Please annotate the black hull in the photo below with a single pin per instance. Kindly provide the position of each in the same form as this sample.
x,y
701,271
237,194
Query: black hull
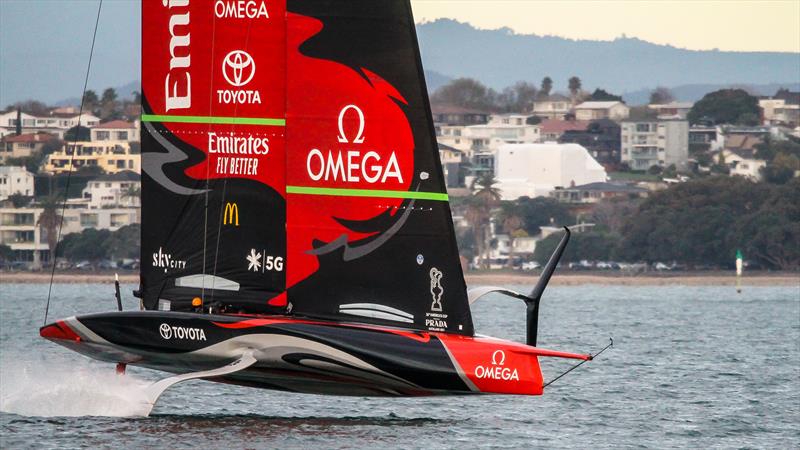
x,y
306,356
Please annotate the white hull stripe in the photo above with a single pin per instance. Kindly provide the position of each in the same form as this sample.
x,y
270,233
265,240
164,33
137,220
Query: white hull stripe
x,y
376,311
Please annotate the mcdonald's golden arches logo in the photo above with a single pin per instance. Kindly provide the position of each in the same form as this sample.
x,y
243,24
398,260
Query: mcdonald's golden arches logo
x,y
231,214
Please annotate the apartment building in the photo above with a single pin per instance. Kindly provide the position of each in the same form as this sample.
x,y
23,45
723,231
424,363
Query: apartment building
x,y
22,146
119,189
15,180
115,130
111,156
655,143
20,228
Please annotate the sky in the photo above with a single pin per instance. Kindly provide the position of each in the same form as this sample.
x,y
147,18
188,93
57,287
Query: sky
x,y
729,25
44,44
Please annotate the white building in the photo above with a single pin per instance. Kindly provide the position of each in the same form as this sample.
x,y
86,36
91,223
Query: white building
x,y
781,110
55,123
20,230
655,143
119,189
742,163
15,180
672,110
115,130
554,106
501,129
614,110
537,169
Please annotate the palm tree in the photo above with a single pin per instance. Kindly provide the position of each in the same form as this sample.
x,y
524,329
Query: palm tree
x,y
133,191
479,208
512,223
49,221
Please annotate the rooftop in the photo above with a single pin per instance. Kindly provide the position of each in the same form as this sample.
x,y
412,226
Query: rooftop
x,y
6,170
598,105
560,126
30,137
606,187
115,124
124,175
554,98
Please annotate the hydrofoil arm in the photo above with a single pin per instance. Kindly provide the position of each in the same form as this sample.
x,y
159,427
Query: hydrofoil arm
x,y
154,391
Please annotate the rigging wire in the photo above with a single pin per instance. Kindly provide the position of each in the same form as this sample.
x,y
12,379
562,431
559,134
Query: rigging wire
x,y
208,181
591,357
53,257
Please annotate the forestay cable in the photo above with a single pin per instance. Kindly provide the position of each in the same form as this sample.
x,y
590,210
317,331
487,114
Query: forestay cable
x,y
54,256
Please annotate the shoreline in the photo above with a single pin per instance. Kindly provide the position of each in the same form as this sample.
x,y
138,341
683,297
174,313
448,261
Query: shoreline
x,y
478,278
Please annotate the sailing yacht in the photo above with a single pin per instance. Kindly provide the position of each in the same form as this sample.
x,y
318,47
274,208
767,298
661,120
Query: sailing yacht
x,y
296,230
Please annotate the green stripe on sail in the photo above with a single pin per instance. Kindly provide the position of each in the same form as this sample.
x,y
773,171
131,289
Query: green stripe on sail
x,y
214,120
344,192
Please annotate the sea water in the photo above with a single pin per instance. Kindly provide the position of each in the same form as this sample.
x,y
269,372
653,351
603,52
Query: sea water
x,y
693,367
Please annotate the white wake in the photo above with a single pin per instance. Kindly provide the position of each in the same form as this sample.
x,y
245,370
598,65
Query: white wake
x,y
70,388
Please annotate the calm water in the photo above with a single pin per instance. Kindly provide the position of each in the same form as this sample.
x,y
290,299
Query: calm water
x,y
691,367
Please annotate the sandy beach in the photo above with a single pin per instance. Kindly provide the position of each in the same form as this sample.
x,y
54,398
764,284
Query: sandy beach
x,y
496,278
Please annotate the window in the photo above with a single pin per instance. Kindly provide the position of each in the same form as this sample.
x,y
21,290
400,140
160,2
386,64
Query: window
x,y
103,135
122,135
88,220
643,127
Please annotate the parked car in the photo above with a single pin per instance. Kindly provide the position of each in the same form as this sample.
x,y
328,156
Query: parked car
x,y
581,265
84,265
662,266
530,265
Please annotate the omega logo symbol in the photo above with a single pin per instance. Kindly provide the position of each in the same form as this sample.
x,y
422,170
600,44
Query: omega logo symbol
x,y
238,68
360,136
165,330
498,358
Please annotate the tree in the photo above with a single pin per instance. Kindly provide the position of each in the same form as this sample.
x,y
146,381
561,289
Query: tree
x,y
33,107
109,96
512,225
781,169
610,215
771,235
547,86
77,133
734,106
465,92
694,222
90,100
6,253
124,243
90,244
540,211
600,95
131,192
18,199
517,98
479,206
592,246
574,86
49,222
660,96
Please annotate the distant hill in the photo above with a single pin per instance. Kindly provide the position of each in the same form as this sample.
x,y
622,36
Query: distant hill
x,y
625,66
434,80
694,92
500,57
